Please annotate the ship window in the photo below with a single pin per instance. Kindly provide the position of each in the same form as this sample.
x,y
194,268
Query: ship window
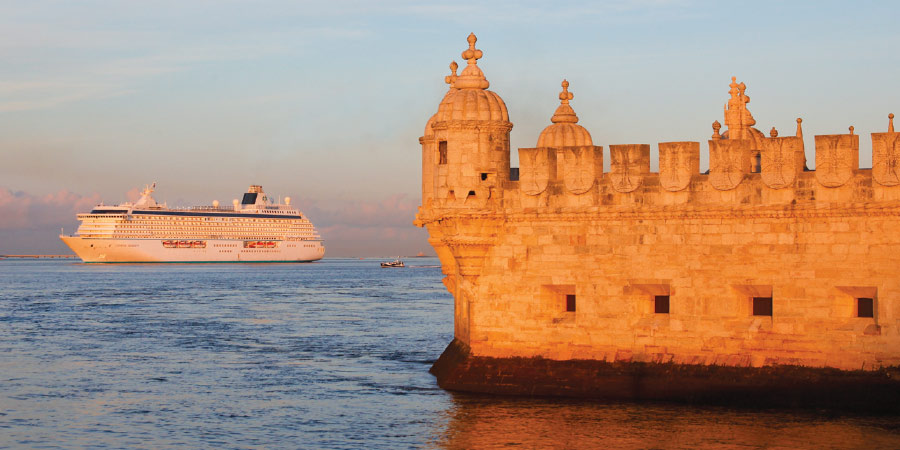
x,y
865,307
570,302
661,304
762,306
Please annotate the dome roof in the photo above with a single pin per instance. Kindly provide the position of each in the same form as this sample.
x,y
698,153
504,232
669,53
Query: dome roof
x,y
565,131
472,104
468,98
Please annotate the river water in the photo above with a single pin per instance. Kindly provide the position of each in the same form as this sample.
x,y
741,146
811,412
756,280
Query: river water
x,y
332,354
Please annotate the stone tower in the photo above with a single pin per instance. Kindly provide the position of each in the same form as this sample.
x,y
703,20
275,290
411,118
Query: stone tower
x,y
465,149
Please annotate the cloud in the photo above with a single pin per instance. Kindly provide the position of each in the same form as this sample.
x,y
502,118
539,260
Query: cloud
x,y
30,223
20,210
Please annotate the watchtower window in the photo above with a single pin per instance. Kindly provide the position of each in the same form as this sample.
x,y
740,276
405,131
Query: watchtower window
x,y
661,304
762,306
865,307
483,176
570,302
757,163
442,152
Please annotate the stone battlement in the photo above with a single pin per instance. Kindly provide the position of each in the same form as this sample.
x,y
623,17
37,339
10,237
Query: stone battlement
x,y
758,263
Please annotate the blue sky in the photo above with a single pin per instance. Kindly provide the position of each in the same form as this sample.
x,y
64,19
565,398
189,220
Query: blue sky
x,y
324,101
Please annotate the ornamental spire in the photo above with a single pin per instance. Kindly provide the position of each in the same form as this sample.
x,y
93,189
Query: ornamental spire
x,y
891,123
564,113
451,79
471,77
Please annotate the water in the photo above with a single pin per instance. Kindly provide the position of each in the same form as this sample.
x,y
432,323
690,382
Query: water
x,y
331,354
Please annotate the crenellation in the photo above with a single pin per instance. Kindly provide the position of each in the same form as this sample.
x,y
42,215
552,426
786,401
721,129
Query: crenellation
x,y
762,261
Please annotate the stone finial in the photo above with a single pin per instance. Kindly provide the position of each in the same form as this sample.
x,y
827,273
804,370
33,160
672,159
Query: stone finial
x,y
471,77
564,113
472,54
799,132
716,127
737,117
565,95
851,130
773,132
891,123
450,79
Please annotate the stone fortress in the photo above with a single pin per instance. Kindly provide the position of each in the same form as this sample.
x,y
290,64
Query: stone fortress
x,y
758,277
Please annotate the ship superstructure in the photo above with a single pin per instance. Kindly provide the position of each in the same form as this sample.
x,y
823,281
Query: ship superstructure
x,y
253,229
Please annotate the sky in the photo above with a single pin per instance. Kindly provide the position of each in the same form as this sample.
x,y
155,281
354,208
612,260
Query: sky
x,y
325,101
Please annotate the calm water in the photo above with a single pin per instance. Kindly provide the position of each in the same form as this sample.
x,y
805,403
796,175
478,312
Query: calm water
x,y
332,354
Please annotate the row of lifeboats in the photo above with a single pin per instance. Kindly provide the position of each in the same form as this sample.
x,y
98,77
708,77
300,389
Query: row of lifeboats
x,y
259,244
184,244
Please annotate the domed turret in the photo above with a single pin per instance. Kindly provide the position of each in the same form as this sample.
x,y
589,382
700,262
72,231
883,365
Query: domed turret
x,y
565,131
468,98
465,147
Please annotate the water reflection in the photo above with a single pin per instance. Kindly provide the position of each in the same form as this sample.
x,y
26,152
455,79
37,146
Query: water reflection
x,y
486,422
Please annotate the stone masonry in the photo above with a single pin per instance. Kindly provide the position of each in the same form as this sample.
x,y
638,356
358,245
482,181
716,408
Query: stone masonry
x,y
758,263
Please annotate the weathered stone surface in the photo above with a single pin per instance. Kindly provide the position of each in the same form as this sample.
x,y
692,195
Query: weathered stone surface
x,y
678,163
767,387
761,271
581,167
779,164
728,161
837,156
629,163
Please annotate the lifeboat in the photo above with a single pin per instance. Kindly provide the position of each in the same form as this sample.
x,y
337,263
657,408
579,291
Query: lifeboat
x,y
270,244
170,244
184,244
198,244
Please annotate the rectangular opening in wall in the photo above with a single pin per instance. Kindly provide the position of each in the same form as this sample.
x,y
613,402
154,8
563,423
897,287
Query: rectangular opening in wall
x,y
762,306
442,152
661,304
865,307
757,163
513,174
483,176
570,302
471,194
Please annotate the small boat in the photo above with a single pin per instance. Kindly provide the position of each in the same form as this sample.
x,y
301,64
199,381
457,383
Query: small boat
x,y
394,263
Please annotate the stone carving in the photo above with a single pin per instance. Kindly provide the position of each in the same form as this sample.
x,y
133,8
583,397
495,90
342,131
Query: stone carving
x,y
678,161
886,155
726,161
580,167
534,172
779,168
886,158
835,160
627,166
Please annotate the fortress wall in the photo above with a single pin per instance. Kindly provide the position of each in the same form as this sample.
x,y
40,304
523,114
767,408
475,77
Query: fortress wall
x,y
710,265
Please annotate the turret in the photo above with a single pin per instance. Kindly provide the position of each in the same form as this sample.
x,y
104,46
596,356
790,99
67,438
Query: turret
x,y
466,144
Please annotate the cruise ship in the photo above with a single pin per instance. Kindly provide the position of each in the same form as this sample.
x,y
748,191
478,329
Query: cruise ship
x,y
253,229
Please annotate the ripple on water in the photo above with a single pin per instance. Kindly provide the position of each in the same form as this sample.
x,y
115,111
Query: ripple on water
x,y
326,355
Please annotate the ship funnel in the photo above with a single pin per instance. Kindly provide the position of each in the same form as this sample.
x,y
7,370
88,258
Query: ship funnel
x,y
287,201
215,203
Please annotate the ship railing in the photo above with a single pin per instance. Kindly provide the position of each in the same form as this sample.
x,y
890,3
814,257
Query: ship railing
x,y
206,208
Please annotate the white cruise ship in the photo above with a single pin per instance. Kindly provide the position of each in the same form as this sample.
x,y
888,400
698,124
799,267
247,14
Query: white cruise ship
x,y
252,230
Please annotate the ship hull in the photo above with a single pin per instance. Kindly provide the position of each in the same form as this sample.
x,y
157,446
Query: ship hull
x,y
100,250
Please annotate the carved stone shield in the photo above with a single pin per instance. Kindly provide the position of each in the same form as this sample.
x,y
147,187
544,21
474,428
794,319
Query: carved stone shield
x,y
627,166
836,157
726,161
579,167
677,162
778,163
534,169
886,158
